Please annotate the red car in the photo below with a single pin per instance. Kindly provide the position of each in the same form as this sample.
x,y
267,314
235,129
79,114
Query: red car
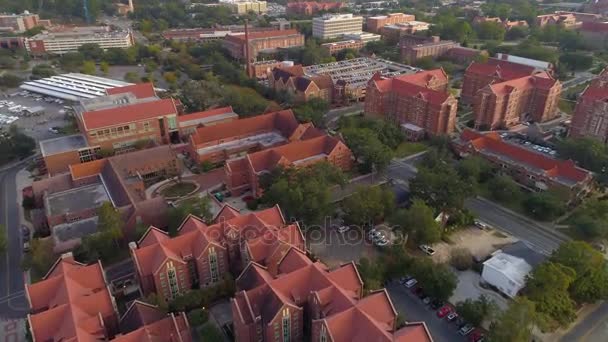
x,y
444,311
476,336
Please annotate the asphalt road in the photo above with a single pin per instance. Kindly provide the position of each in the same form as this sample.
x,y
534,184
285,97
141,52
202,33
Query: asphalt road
x,y
414,310
593,328
13,303
543,238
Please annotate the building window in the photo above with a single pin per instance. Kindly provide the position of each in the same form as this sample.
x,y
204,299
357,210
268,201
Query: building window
x,y
286,326
172,276
213,269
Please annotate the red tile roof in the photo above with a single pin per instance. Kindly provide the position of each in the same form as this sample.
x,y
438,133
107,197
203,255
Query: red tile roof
x,y
194,236
283,121
175,328
205,114
552,168
141,90
538,81
502,69
130,113
240,38
70,303
415,85
291,153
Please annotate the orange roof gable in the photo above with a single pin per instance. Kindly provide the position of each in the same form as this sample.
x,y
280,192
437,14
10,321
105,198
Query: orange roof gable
x,y
141,90
129,113
205,114
87,169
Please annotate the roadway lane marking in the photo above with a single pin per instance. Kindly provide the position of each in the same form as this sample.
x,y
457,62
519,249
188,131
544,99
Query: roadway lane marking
x,y
12,296
8,275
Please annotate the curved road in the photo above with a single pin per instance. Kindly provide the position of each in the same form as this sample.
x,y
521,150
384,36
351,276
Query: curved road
x,y
13,303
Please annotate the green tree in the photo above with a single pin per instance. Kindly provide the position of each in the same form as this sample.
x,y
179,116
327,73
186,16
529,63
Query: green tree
x,y
88,67
441,188
41,257
476,311
504,189
516,33
42,71
71,61
371,273
548,287
589,153
197,206
7,62
110,222
303,194
544,205
474,169
170,77
419,221
131,76
367,205
9,81
590,284
576,61
438,280
491,30
516,323
104,67
91,51
312,111
461,259
367,148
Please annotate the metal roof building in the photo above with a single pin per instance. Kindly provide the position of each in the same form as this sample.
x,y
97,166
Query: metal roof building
x,y
72,86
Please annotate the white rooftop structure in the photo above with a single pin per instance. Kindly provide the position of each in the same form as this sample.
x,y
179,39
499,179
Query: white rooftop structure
x,y
540,65
72,86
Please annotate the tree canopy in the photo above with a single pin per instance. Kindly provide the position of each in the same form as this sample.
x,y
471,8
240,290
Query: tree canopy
x,y
418,221
367,205
516,323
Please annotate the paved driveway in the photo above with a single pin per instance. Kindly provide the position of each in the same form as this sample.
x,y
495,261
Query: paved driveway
x,y
468,287
412,308
335,249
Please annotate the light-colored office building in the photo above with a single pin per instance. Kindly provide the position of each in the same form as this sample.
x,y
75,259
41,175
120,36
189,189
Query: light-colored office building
x,y
60,41
334,26
244,7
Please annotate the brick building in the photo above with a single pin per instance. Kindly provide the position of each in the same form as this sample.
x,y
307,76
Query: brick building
x,y
590,117
312,7
532,169
72,303
376,23
478,75
237,138
335,47
507,24
244,174
412,48
505,104
418,102
266,41
12,43
188,123
595,35
21,22
70,200
294,297
302,87
394,32
566,20
203,255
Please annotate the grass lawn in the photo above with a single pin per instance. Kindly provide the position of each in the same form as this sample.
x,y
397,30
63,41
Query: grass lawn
x,y
566,106
178,189
408,148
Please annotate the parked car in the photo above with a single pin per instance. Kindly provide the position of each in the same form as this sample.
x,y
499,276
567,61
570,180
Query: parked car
x,y
343,229
375,234
481,225
405,279
411,283
466,329
452,316
381,242
444,311
427,249
426,300
476,336
419,292
436,304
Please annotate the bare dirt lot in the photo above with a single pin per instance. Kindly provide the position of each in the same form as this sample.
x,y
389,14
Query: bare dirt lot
x,y
480,243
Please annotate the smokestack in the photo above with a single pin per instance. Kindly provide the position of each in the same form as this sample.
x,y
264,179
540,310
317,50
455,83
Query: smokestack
x,y
248,65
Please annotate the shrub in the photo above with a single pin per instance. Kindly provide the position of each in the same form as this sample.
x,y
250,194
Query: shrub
x,y
198,317
252,204
461,259
28,203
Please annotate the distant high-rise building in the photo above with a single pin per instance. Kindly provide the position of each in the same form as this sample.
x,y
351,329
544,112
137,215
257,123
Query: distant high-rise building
x,y
334,26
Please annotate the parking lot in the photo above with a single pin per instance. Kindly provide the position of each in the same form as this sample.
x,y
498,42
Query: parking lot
x,y
36,126
414,310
